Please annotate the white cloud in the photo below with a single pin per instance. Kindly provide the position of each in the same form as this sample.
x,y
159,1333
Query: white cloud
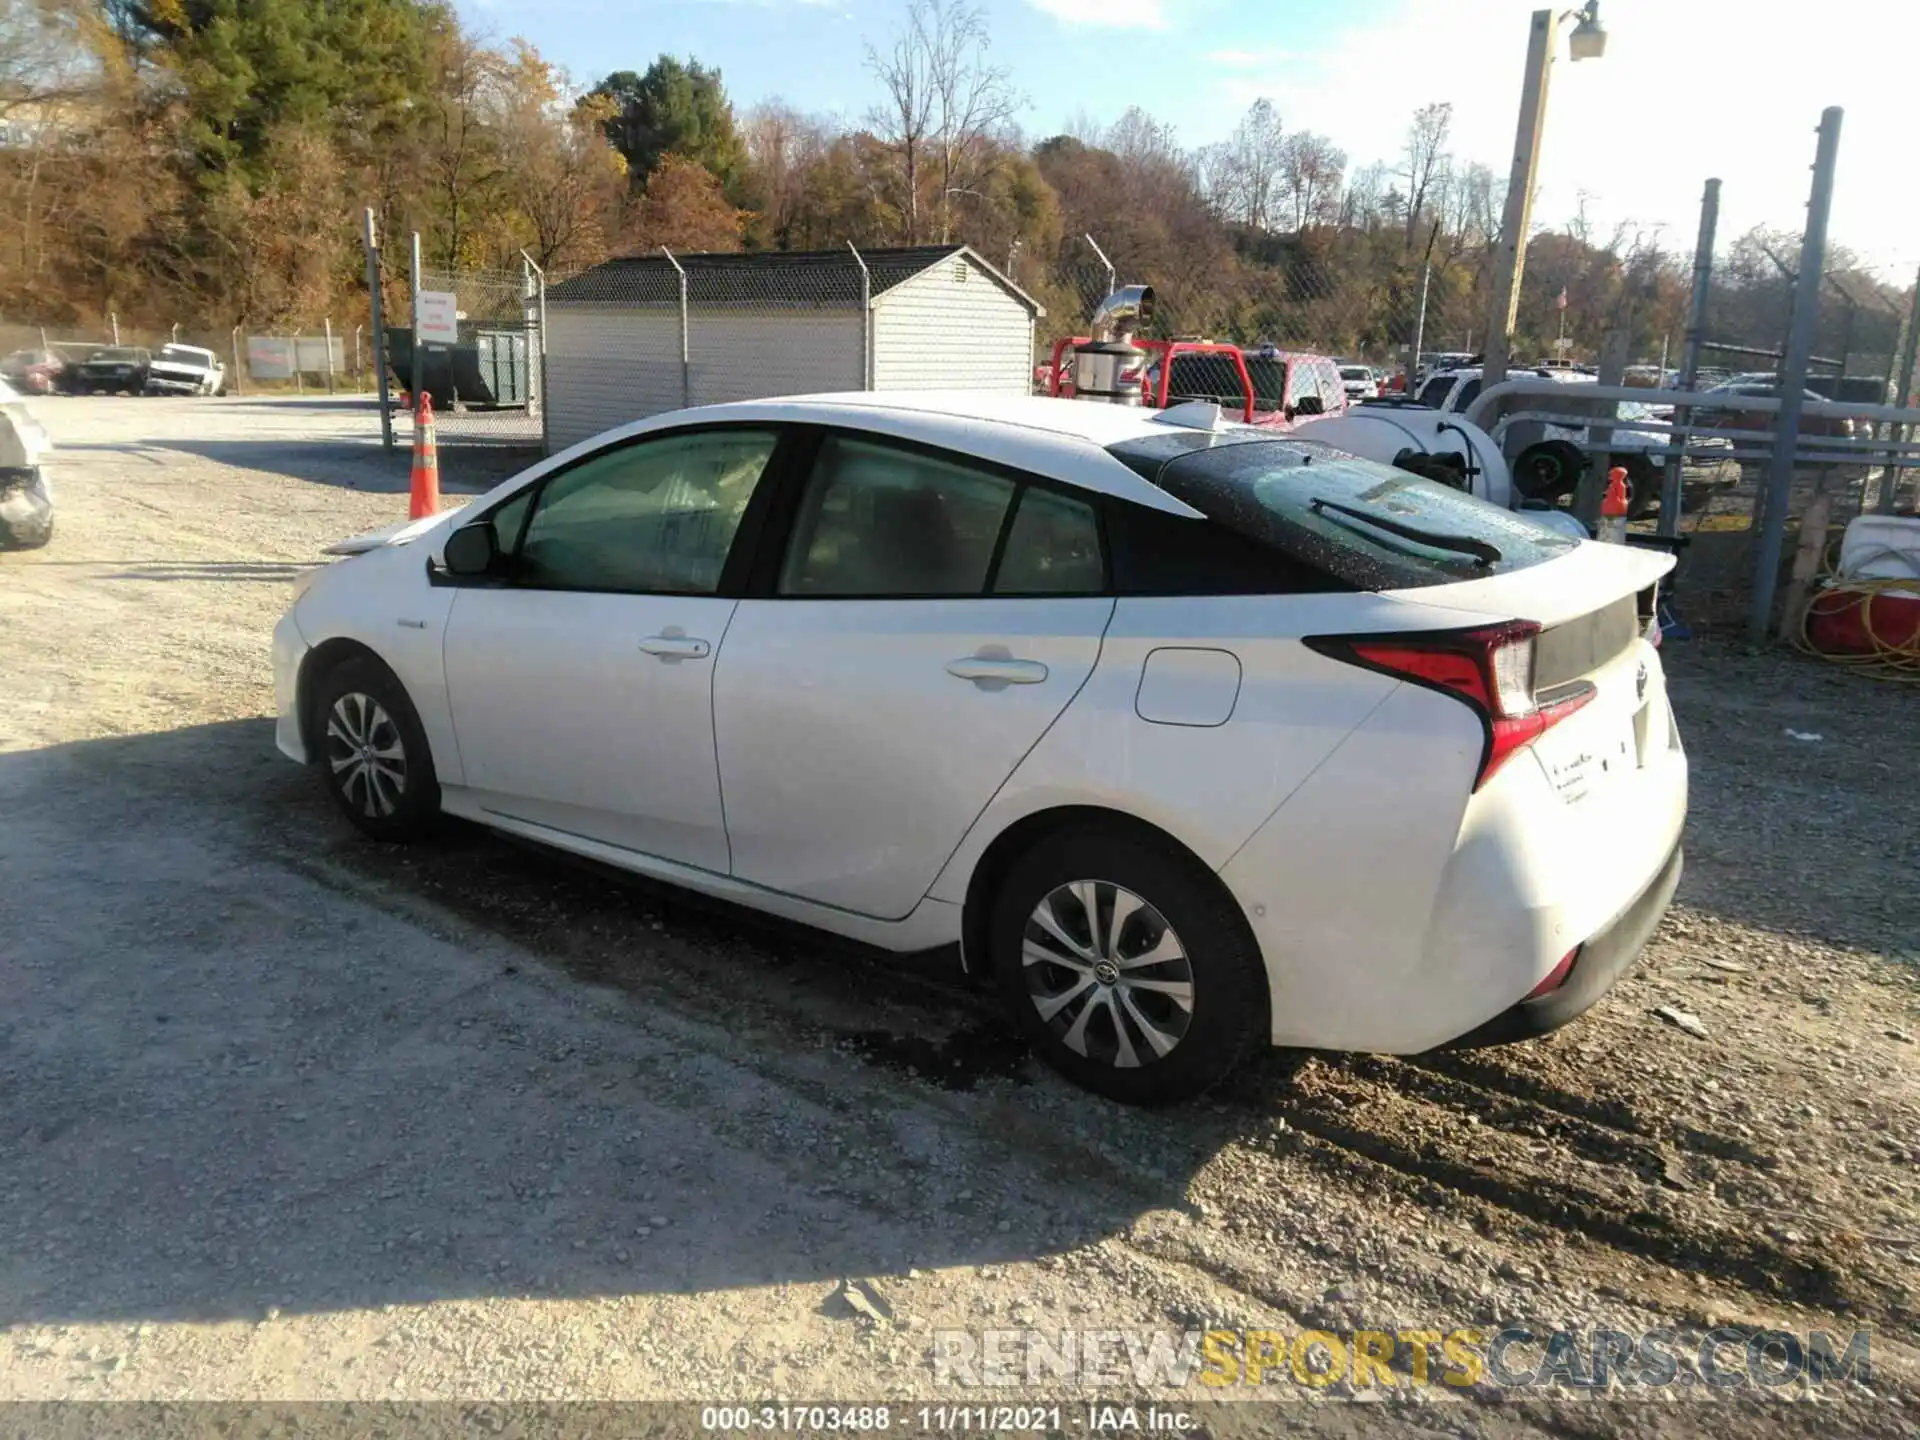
x,y
1106,14
1248,59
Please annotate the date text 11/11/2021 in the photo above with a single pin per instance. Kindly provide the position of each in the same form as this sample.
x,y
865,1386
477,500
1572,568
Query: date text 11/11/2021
x,y
1095,1418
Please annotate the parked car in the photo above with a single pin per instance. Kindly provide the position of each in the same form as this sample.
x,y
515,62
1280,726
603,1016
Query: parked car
x,y
33,372
26,495
1708,417
1194,737
114,369
1361,383
186,370
1548,469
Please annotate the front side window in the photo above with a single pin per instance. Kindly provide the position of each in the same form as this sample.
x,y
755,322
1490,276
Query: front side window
x,y
878,520
654,517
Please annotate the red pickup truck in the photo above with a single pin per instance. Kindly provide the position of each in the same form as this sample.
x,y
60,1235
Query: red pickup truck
x,y
1267,386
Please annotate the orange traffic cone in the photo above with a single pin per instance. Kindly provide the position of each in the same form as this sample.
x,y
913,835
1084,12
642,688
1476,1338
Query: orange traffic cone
x,y
426,463
1613,509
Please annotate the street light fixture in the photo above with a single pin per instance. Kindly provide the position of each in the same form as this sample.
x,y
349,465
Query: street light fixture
x,y
1587,42
1589,38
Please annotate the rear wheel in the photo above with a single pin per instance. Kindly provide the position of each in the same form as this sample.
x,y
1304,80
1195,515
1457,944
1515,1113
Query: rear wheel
x,y
373,753
1643,485
1128,966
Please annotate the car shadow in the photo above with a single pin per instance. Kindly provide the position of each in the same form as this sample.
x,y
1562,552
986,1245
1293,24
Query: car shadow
x,y
251,1061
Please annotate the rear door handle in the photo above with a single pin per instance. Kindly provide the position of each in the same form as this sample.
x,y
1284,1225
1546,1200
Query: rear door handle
x,y
986,670
676,647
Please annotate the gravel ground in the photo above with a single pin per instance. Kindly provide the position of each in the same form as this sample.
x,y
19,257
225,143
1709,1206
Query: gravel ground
x,y
288,1115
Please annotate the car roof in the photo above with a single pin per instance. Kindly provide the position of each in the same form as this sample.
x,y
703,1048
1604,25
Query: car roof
x,y
1063,440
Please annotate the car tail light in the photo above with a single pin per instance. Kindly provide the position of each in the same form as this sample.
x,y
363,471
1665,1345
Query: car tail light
x,y
1489,670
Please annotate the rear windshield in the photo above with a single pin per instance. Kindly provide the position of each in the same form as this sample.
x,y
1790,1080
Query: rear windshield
x,y
1355,372
116,354
1366,525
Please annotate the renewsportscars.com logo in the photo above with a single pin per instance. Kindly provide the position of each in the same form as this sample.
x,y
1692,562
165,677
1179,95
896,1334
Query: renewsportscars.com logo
x,y
1512,1358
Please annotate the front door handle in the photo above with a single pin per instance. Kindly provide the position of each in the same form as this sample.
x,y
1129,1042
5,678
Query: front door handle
x,y
676,647
991,670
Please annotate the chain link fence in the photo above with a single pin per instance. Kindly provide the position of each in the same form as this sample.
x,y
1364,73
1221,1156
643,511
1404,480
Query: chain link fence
x,y
487,385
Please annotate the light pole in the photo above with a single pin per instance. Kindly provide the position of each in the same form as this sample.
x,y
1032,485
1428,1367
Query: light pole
x,y
1588,42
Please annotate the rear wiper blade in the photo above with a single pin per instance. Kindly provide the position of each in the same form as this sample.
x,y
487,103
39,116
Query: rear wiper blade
x,y
1483,551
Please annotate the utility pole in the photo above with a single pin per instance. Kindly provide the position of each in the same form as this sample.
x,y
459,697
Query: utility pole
x,y
371,241
1793,378
1516,221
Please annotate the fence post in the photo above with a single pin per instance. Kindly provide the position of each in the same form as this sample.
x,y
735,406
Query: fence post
x,y
1113,280
359,374
114,320
686,337
1419,330
1793,378
866,318
328,323
370,239
419,350
239,385
299,376
1670,489
538,279
1890,479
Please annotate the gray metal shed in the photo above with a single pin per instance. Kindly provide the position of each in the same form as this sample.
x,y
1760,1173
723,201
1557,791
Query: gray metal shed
x,y
621,345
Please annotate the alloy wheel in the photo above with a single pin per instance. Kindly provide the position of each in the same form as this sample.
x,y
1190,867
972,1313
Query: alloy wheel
x,y
367,755
1107,973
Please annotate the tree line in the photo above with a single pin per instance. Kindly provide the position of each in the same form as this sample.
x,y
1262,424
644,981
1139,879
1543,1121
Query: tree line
x,y
205,162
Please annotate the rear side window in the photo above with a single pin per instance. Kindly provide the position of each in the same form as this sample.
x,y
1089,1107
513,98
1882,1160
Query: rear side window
x,y
1434,392
1053,548
1155,553
876,520
1358,524
1469,392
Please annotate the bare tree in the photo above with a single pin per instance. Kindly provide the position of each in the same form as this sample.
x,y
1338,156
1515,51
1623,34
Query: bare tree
x,y
973,100
1428,160
904,123
1311,169
1252,166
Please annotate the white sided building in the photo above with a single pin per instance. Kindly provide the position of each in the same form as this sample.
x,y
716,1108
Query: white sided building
x,y
757,325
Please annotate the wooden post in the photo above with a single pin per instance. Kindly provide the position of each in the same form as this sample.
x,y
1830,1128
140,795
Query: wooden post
x,y
1806,563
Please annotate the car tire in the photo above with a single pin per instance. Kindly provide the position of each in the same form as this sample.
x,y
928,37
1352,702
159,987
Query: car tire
x,y
1097,1010
1549,471
372,751
1643,485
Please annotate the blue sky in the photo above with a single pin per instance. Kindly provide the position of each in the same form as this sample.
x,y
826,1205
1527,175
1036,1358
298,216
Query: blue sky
x,y
1688,88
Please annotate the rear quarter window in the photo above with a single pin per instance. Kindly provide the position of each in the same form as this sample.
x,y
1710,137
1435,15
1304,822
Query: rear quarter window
x,y
1357,524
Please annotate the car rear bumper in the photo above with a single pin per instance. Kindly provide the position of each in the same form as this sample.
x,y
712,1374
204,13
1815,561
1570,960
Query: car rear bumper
x,y
175,387
1601,962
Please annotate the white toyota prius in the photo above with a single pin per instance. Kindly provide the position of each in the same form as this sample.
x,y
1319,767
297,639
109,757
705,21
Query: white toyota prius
x,y
1192,736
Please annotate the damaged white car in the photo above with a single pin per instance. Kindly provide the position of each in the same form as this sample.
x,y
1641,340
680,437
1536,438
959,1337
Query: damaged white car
x,y
26,495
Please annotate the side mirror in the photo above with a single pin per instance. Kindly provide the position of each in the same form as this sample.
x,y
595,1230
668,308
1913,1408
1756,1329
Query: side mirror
x,y
1309,405
471,550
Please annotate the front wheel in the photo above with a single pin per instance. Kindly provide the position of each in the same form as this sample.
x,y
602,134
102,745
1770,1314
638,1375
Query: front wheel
x,y
373,753
1128,966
